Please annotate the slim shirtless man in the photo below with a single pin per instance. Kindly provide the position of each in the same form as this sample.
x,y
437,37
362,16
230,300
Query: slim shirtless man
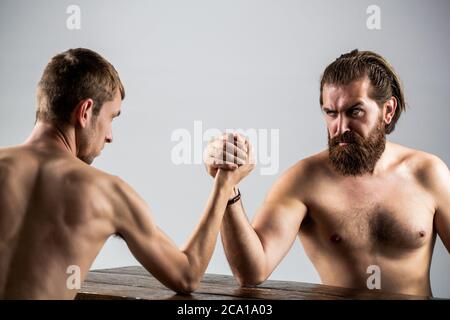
x,y
363,202
57,211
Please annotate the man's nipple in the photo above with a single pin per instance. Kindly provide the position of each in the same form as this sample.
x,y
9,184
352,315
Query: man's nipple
x,y
335,238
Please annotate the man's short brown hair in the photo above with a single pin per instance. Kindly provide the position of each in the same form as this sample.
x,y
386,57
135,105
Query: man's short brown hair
x,y
71,77
384,81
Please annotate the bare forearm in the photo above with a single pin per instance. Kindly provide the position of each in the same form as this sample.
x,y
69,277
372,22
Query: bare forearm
x,y
202,242
242,246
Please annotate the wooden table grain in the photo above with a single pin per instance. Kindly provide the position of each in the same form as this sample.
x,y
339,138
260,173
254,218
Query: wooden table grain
x,y
136,283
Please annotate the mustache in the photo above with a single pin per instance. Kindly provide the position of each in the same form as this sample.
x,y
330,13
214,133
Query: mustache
x,y
346,137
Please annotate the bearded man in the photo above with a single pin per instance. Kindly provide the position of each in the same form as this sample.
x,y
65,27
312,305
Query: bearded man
x,y
363,205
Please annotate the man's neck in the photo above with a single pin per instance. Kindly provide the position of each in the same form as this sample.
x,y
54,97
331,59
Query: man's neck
x,y
386,159
53,136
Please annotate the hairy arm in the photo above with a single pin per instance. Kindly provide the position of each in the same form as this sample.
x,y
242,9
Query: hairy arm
x,y
254,250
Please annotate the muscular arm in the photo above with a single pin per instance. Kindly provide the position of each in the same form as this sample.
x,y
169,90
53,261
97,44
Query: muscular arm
x,y
438,180
179,270
254,250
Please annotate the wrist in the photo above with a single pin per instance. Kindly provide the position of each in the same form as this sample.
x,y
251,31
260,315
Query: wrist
x,y
234,192
235,198
226,186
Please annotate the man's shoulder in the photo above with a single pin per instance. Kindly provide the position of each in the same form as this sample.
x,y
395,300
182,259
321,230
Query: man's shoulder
x,y
96,188
71,172
88,175
426,167
417,160
17,160
303,174
113,185
13,153
310,167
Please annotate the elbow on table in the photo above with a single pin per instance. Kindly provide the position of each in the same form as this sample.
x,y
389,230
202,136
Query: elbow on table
x,y
186,289
251,279
187,285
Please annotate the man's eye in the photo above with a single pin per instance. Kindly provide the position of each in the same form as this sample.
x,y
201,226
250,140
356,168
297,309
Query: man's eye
x,y
330,113
356,113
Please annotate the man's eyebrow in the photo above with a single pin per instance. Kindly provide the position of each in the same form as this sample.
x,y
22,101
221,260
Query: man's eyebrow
x,y
358,104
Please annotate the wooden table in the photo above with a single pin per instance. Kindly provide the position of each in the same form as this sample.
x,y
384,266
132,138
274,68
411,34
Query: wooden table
x,y
137,283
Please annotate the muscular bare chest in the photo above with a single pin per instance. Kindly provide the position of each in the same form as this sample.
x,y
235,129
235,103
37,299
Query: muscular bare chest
x,y
389,216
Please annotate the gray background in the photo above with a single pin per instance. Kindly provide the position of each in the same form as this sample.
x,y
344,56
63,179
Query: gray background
x,y
230,64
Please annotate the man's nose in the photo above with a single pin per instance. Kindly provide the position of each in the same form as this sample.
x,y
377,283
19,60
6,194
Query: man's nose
x,y
342,125
109,137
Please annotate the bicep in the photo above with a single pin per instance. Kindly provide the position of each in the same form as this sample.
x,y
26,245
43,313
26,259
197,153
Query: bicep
x,y
278,222
150,245
277,225
442,222
442,214
159,255
436,179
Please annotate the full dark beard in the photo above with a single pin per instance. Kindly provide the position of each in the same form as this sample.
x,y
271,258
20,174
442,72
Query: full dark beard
x,y
360,155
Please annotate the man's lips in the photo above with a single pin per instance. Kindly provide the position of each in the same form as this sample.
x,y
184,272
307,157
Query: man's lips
x,y
344,143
